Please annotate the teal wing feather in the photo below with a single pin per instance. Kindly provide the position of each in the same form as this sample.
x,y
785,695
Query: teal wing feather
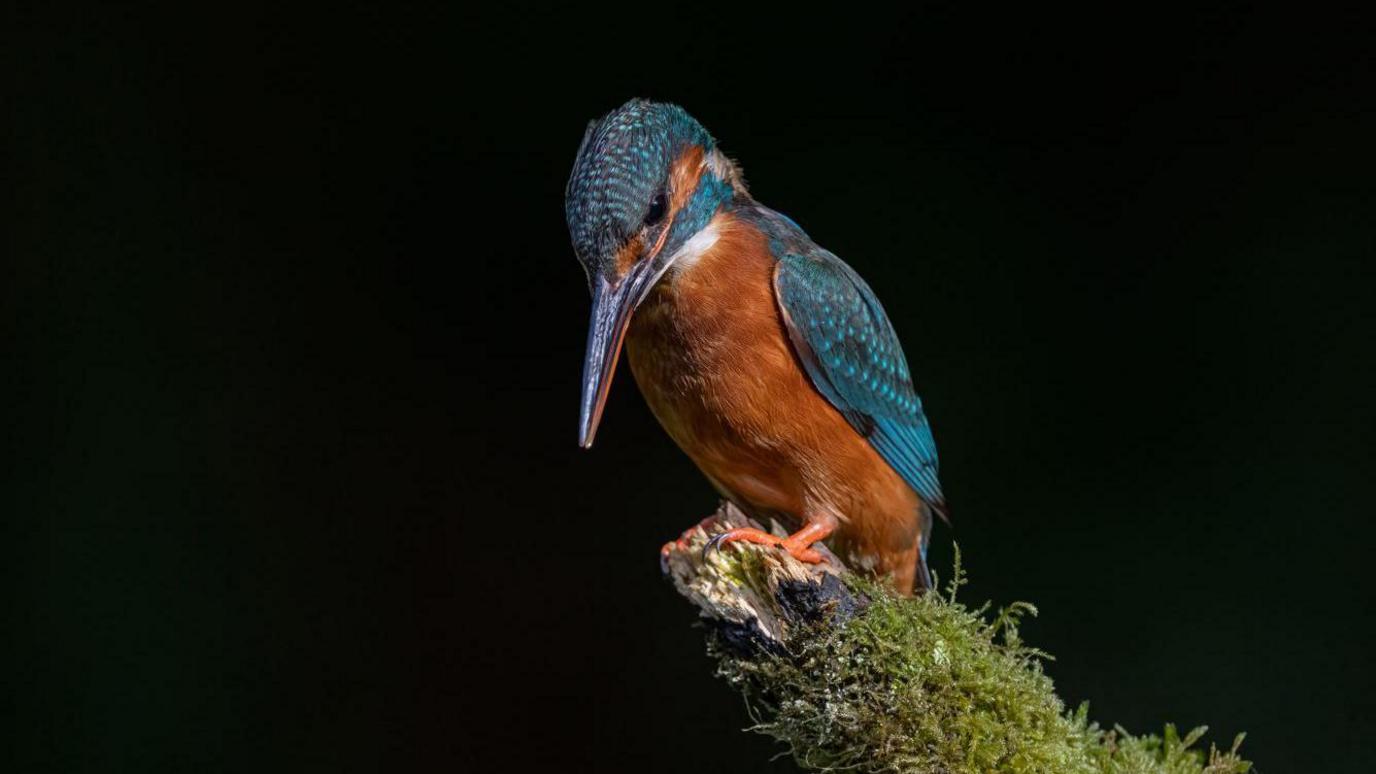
x,y
851,353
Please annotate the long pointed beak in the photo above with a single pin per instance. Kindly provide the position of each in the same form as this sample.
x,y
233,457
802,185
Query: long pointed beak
x,y
612,307
613,303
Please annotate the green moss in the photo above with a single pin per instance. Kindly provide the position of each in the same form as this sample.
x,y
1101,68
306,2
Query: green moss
x,y
927,685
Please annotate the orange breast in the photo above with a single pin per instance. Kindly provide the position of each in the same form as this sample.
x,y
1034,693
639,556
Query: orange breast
x,y
710,353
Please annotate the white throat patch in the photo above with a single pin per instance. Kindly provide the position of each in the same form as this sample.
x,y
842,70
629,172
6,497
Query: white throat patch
x,y
696,246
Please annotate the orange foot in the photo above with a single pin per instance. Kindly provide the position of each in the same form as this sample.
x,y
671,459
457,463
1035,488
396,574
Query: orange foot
x,y
798,545
681,544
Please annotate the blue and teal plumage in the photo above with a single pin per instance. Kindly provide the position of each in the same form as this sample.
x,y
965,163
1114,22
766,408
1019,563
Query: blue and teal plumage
x,y
621,164
852,355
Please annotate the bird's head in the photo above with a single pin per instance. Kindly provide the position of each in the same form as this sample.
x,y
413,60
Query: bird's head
x,y
648,177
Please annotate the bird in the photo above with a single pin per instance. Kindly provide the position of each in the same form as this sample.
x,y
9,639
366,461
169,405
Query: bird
x,y
766,358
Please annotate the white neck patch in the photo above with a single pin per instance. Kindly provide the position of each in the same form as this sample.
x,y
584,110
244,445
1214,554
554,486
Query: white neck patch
x,y
696,246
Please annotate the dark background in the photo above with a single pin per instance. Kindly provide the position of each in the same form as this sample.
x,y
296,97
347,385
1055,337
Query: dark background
x,y
294,335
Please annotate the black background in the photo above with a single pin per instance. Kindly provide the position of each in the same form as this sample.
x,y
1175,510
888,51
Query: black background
x,y
294,331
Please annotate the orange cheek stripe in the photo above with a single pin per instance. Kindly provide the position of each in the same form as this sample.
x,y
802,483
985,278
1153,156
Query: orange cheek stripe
x,y
686,172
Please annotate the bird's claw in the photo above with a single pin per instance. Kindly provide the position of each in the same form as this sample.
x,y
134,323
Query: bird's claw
x,y
714,544
681,544
802,551
746,534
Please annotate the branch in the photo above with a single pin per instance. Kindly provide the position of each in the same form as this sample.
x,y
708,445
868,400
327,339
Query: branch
x,y
847,675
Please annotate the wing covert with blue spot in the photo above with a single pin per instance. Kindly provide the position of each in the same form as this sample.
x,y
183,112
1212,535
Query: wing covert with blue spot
x,y
850,351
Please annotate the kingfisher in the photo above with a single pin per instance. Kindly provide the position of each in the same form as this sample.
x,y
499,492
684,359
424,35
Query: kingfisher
x,y
765,357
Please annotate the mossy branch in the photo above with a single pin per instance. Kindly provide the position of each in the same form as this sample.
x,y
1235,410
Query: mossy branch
x,y
850,677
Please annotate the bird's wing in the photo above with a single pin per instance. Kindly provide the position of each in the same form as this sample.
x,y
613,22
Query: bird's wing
x,y
850,351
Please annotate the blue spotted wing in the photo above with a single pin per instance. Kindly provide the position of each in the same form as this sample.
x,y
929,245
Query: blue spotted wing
x,y
850,351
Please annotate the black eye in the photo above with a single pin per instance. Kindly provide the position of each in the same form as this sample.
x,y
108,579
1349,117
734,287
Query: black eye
x,y
656,213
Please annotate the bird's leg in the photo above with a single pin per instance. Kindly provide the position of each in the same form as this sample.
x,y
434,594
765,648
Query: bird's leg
x,y
798,545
